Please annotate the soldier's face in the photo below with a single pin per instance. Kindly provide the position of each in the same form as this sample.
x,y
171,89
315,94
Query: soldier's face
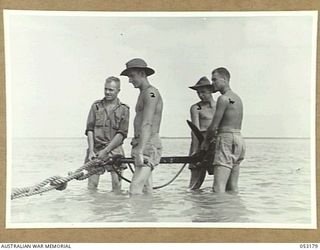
x,y
111,90
135,78
218,81
204,93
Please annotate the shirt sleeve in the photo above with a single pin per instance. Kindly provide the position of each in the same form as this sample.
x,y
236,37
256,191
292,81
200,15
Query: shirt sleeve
x,y
90,120
124,123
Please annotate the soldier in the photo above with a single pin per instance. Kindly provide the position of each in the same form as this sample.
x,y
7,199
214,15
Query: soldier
x,y
146,144
107,127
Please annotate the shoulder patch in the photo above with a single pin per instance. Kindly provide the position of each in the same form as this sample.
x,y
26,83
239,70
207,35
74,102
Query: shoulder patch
x,y
196,106
152,94
230,101
125,105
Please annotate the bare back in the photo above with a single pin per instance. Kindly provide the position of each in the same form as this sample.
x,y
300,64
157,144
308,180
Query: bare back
x,y
233,114
150,92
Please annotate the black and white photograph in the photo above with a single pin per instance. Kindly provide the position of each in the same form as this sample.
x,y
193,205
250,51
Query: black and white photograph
x,y
160,119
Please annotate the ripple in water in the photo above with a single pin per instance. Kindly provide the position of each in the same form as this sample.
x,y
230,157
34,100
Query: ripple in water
x,y
274,187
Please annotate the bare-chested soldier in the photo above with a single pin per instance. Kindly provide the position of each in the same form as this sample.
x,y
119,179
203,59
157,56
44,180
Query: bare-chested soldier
x,y
201,116
146,144
225,131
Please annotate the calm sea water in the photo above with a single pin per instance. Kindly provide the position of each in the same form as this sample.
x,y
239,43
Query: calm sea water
x,y
274,188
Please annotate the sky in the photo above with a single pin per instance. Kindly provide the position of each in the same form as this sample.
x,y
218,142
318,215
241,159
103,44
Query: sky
x,y
56,64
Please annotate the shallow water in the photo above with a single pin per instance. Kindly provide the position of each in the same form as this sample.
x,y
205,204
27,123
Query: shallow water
x,y
274,188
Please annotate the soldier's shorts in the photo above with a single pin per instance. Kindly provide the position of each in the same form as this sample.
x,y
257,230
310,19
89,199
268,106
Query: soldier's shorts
x,y
230,148
152,151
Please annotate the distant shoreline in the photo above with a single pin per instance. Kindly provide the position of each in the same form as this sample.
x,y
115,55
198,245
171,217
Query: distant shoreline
x,y
168,137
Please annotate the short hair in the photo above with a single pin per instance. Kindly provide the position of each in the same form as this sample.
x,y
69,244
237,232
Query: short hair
x,y
112,79
222,71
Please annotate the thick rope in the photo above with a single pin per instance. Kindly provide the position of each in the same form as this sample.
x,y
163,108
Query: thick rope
x,y
59,183
96,166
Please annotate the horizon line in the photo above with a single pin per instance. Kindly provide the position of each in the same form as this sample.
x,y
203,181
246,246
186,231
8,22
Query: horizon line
x,y
163,137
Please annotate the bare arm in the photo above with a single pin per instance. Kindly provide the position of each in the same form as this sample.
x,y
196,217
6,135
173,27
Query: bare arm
x,y
89,133
222,104
221,107
120,135
90,144
194,113
150,100
115,142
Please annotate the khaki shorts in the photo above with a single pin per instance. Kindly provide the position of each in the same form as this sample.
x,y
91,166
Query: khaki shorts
x,y
229,150
152,151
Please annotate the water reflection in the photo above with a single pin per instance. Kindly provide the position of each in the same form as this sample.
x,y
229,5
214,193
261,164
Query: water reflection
x,y
274,187
142,208
108,206
208,206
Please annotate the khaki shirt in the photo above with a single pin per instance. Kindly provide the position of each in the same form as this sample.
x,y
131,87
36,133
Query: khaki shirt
x,y
104,126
